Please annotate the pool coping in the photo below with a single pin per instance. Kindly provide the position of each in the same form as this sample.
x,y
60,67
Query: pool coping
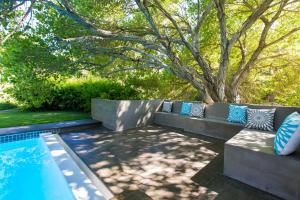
x,y
48,126
53,129
84,184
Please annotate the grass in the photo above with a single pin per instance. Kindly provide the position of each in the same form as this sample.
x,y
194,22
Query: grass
x,y
16,117
6,106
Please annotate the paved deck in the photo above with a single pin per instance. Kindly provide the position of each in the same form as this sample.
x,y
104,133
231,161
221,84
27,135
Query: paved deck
x,y
159,163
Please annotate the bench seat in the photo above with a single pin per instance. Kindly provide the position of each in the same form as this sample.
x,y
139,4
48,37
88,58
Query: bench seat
x,y
212,127
216,128
170,119
250,158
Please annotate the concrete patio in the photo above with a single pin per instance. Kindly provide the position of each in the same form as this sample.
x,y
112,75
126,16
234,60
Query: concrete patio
x,y
159,163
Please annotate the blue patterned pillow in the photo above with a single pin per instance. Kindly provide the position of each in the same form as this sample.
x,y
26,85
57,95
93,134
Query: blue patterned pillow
x,y
237,114
287,138
186,108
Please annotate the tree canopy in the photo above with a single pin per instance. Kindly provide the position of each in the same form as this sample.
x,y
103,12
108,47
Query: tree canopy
x,y
227,50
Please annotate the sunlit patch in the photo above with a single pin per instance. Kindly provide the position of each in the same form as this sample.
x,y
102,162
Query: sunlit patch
x,y
159,162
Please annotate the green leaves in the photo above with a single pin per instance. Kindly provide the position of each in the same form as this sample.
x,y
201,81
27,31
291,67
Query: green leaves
x,y
57,47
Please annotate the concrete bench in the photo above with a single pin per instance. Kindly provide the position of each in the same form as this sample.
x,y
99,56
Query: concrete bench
x,y
215,123
209,127
249,154
250,158
120,115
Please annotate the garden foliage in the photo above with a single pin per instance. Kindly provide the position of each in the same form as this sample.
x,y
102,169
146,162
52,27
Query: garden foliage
x,y
71,95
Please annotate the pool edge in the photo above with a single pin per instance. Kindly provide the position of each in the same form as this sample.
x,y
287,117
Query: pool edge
x,y
86,170
67,162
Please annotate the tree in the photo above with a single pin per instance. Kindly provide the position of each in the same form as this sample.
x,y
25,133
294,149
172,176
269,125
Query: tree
x,y
173,35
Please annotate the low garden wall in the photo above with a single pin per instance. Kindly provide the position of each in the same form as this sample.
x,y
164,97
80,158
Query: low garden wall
x,y
120,115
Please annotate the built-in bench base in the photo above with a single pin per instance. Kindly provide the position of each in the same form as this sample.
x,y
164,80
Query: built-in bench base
x,y
250,158
210,127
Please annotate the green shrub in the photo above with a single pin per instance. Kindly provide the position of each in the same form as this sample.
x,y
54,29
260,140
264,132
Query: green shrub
x,y
31,93
6,105
71,95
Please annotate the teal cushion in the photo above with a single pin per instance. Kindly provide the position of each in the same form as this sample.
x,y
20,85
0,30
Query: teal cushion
x,y
287,138
186,108
237,114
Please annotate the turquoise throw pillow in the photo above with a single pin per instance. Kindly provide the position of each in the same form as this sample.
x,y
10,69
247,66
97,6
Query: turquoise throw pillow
x,y
186,108
287,138
237,114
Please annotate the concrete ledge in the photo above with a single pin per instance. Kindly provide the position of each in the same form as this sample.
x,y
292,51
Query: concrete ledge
x,y
213,128
249,157
87,171
49,126
170,119
119,115
81,186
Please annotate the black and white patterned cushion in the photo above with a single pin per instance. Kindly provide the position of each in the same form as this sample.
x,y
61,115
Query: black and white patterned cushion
x,y
167,106
197,110
261,119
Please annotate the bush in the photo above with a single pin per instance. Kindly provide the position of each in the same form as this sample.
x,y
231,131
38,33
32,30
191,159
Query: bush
x,y
31,93
71,95
6,105
77,95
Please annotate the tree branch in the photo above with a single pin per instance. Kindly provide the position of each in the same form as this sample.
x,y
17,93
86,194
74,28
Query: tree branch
x,y
294,30
225,49
244,70
201,18
251,20
69,12
20,24
194,51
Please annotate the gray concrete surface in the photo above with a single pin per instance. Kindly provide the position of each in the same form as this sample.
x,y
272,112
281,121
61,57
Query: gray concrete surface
x,y
250,158
160,163
120,115
213,128
50,126
220,129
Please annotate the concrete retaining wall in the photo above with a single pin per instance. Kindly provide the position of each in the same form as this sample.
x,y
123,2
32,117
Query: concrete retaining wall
x,y
120,115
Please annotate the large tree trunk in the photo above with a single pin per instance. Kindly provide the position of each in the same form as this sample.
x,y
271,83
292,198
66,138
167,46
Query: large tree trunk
x,y
232,94
207,98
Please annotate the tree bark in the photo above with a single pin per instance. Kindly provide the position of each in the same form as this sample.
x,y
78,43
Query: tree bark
x,y
161,50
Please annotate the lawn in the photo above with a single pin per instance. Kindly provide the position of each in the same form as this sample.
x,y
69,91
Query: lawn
x,y
20,118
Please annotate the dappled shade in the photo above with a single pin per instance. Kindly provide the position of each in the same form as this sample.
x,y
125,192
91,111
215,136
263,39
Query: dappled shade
x,y
160,163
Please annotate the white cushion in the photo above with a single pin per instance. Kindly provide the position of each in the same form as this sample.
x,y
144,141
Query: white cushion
x,y
167,106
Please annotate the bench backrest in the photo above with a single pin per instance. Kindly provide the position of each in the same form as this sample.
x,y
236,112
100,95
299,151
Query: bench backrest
x,y
177,105
219,111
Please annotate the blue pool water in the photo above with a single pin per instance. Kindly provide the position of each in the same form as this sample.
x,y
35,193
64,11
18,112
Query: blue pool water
x,y
28,172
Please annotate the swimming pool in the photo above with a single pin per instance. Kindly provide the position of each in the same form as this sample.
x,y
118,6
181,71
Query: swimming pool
x,y
29,172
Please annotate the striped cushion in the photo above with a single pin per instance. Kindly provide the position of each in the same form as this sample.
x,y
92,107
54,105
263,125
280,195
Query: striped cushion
x,y
287,138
